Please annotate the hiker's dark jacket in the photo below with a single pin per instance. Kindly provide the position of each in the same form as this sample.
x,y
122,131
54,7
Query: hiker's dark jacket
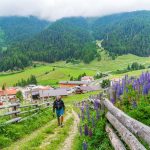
x,y
58,104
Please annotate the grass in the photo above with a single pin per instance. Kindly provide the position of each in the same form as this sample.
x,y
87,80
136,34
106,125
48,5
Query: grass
x,y
13,132
131,73
51,130
77,143
78,97
51,74
62,135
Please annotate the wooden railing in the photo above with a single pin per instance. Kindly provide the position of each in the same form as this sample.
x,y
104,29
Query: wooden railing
x,y
18,113
128,129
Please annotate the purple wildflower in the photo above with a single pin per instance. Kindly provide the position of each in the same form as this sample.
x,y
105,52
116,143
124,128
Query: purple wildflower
x,y
145,89
80,130
97,114
93,122
83,117
134,104
85,146
86,131
112,100
90,133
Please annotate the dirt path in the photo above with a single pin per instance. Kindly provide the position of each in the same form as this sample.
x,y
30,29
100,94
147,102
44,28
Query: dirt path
x,y
66,145
51,137
69,140
17,144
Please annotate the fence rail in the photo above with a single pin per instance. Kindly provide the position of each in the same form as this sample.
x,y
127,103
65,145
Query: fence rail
x,y
15,110
129,129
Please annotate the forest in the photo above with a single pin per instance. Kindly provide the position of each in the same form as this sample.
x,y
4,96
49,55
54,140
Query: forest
x,y
72,38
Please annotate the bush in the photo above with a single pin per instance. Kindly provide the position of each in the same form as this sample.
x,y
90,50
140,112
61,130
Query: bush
x,y
105,83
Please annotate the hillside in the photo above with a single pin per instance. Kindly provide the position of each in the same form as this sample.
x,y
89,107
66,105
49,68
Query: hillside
x,y
124,33
64,39
14,29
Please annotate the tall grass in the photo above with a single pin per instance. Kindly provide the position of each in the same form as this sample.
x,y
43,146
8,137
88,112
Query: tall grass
x,y
13,132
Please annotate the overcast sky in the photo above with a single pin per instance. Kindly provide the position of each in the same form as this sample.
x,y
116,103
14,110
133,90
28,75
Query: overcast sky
x,y
56,9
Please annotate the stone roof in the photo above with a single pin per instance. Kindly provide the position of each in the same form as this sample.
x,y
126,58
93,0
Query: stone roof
x,y
53,92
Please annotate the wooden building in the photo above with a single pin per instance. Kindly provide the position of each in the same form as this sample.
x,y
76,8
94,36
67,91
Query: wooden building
x,y
71,84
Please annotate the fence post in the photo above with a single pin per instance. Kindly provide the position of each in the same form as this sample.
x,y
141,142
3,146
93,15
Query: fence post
x,y
48,104
37,106
15,108
112,94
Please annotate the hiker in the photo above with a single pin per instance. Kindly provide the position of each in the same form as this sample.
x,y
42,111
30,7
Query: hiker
x,y
60,108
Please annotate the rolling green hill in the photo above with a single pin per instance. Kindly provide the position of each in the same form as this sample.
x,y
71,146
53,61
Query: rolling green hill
x,y
53,73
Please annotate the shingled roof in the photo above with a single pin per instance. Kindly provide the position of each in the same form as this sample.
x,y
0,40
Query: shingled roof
x,y
8,92
53,92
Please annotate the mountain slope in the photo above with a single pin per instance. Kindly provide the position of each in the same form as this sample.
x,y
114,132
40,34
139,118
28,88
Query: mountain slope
x,y
124,33
19,28
65,38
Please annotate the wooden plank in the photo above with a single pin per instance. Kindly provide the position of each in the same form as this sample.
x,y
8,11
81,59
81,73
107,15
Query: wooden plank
x,y
133,125
23,112
43,104
10,113
126,135
12,105
115,141
24,106
12,120
28,111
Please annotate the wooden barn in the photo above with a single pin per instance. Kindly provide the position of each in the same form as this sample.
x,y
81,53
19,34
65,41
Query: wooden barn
x,y
71,84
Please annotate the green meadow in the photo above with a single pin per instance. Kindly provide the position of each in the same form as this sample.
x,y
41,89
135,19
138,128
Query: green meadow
x,y
51,74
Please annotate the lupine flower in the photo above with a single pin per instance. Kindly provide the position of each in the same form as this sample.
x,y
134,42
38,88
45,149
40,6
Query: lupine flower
x,y
88,112
82,109
80,130
134,104
93,122
112,100
97,114
85,146
86,131
96,104
145,89
90,133
83,117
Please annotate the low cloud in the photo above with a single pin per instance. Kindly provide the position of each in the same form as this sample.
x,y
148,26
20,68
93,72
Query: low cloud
x,y
56,9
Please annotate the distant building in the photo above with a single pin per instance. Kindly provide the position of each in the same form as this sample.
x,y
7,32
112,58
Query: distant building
x,y
70,84
90,88
87,79
8,94
31,92
44,94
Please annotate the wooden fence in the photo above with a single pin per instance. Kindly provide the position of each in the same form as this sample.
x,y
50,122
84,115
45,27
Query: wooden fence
x,y
17,113
121,127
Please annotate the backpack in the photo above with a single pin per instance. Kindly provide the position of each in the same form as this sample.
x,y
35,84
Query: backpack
x,y
58,104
